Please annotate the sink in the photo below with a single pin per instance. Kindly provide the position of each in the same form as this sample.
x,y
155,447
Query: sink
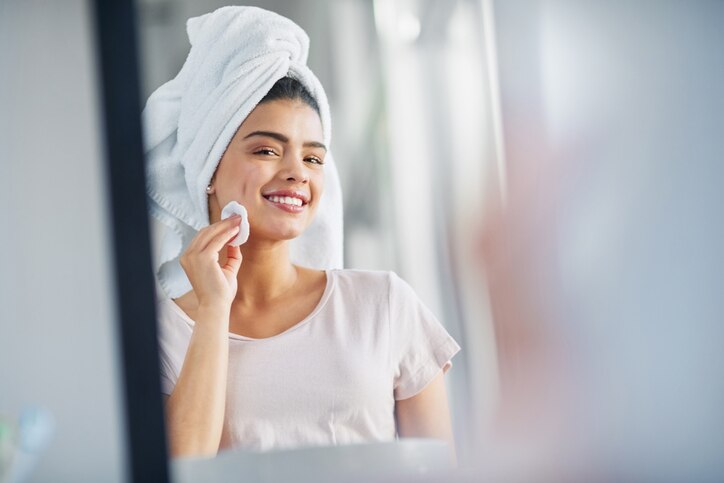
x,y
363,462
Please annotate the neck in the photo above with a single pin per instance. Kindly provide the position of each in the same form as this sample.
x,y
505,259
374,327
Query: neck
x,y
266,272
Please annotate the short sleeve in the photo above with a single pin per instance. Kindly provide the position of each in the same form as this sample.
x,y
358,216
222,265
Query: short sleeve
x,y
169,340
419,344
168,379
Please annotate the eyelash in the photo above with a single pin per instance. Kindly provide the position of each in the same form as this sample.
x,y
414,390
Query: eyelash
x,y
268,151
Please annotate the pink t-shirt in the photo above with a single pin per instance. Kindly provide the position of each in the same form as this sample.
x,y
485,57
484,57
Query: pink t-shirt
x,y
333,378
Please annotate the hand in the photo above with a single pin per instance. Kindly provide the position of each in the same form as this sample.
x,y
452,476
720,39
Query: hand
x,y
214,285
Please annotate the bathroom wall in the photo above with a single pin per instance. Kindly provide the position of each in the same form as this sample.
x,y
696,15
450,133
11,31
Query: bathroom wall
x,y
58,330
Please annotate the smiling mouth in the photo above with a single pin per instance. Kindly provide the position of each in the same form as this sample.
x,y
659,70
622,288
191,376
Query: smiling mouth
x,y
286,200
288,204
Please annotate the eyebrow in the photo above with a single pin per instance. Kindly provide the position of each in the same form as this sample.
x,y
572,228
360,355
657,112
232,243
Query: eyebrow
x,y
284,139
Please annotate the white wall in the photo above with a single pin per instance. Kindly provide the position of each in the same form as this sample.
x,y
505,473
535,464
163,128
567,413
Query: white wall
x,y
57,317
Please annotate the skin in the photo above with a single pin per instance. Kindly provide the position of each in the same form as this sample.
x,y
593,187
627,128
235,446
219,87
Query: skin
x,y
255,290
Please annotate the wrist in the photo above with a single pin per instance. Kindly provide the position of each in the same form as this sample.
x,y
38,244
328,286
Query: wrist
x,y
213,314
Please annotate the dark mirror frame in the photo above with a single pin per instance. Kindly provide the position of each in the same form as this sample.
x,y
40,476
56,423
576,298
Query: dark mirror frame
x,y
116,40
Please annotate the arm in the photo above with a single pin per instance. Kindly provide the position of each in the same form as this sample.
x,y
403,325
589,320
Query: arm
x,y
195,409
426,415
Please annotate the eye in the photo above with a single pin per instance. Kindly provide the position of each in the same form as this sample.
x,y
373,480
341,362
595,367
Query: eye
x,y
265,152
314,160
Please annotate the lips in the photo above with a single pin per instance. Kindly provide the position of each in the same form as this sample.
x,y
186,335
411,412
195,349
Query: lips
x,y
290,201
282,205
300,195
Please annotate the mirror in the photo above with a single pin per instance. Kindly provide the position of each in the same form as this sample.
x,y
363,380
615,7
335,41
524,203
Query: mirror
x,y
382,65
538,182
516,163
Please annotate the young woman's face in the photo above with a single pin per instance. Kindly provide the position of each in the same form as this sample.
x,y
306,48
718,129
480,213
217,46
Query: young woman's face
x,y
274,167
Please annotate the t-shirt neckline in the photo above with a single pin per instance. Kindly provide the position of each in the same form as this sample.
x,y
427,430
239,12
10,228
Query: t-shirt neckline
x,y
320,305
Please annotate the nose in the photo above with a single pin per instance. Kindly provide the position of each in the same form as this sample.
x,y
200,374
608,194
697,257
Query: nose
x,y
294,169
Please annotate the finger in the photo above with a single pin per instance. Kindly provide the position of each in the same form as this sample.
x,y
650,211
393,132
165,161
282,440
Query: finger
x,y
233,260
221,239
206,235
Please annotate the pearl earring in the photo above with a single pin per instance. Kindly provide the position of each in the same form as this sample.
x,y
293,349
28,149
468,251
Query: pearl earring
x,y
209,189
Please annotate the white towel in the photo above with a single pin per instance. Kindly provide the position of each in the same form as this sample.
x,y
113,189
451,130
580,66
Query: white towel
x,y
236,56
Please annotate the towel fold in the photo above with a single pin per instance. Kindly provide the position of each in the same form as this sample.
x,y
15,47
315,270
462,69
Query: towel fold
x,y
236,56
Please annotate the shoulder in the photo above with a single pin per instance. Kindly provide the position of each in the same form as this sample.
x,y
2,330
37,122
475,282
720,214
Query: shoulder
x,y
369,281
171,319
361,288
376,284
164,313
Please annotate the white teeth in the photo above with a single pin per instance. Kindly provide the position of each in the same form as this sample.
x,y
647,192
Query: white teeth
x,y
287,200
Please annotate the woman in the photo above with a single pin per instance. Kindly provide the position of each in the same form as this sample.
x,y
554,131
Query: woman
x,y
261,352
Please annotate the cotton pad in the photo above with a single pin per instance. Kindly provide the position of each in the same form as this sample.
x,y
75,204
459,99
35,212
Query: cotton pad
x,y
233,208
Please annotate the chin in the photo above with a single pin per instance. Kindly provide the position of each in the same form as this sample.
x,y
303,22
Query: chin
x,y
281,233
291,235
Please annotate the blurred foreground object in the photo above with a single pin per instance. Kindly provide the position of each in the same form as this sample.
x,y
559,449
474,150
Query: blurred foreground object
x,y
22,443
604,262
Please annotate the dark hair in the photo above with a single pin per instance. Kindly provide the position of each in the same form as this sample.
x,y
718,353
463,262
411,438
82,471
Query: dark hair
x,y
293,90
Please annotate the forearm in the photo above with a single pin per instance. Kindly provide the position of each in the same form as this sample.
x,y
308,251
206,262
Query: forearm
x,y
195,409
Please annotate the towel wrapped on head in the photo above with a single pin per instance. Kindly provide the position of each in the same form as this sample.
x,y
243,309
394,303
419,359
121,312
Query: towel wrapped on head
x,y
237,54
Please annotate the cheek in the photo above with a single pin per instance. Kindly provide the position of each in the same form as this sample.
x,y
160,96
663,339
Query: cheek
x,y
245,180
317,192
319,183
